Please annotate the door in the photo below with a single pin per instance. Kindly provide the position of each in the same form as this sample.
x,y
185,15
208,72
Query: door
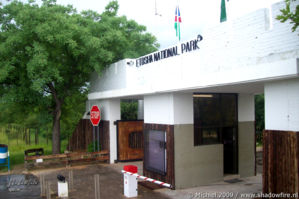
x,y
229,132
229,136
130,140
155,150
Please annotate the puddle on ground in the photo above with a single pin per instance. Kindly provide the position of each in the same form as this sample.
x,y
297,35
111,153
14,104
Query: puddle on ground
x,y
19,186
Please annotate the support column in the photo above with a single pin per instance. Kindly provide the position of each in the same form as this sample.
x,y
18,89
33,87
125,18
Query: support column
x,y
158,116
246,137
110,111
282,105
281,137
140,114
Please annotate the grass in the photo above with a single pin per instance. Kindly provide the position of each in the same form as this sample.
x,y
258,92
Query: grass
x,y
16,149
259,144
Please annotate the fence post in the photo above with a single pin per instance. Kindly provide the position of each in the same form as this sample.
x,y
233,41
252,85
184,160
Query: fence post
x,y
47,136
71,180
97,186
42,185
36,136
48,190
24,134
29,136
17,131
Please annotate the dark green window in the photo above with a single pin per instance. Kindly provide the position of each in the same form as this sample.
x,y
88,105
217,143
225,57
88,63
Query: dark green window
x,y
214,114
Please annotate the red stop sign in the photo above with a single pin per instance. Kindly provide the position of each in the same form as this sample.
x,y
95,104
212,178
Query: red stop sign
x,y
95,115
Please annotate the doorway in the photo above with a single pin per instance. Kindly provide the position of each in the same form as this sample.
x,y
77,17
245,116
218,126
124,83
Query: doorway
x,y
216,122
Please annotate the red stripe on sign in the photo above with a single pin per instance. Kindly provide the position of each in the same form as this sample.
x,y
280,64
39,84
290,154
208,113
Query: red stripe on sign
x,y
145,178
154,180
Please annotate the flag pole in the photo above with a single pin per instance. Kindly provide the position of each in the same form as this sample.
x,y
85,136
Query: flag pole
x,y
178,3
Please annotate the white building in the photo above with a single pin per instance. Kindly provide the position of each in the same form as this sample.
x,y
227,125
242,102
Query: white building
x,y
199,97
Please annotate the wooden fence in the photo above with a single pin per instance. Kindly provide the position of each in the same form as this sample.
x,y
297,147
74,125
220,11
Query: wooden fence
x,y
19,134
83,135
67,158
280,162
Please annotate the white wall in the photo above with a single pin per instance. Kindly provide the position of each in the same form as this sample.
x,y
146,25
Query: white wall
x,y
282,105
158,109
168,108
245,50
114,77
246,109
183,108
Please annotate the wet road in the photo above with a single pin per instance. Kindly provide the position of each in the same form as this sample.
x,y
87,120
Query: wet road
x,y
19,186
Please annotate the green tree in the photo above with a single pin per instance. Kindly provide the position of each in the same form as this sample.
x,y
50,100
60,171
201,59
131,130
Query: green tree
x,y
260,112
259,116
287,14
129,109
48,52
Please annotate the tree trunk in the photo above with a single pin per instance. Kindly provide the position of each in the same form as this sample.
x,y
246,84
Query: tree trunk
x,y
36,136
56,129
56,121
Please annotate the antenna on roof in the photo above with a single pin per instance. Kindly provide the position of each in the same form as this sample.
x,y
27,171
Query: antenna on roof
x,y
156,12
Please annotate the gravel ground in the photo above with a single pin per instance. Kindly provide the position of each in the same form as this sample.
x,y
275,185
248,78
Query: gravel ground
x,y
111,183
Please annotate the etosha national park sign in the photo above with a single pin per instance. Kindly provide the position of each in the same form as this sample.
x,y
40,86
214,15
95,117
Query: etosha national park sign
x,y
170,52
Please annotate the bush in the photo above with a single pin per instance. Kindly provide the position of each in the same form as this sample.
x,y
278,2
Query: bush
x,y
90,146
129,110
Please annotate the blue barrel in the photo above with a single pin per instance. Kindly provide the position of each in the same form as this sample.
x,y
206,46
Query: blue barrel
x,y
3,153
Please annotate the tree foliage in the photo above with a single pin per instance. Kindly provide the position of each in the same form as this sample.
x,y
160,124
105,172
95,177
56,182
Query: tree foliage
x,y
129,110
287,14
48,52
260,112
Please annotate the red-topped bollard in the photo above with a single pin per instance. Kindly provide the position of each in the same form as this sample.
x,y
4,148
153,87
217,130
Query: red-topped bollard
x,y
130,181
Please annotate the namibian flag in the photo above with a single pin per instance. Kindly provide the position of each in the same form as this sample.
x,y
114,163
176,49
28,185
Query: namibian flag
x,y
177,21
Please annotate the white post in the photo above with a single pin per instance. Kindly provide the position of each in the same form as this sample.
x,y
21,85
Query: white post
x,y
110,110
63,190
130,186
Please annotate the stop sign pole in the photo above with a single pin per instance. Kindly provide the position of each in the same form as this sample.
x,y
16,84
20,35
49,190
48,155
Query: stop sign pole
x,y
95,118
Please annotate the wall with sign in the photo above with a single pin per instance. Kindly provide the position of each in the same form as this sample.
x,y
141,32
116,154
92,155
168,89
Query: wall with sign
x,y
253,48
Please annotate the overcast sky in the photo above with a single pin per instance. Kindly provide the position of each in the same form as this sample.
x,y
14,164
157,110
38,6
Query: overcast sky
x,y
196,14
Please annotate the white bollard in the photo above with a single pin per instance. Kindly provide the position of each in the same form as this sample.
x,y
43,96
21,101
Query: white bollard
x,y
63,190
130,182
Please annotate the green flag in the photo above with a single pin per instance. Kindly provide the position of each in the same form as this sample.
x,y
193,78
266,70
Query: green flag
x,y
223,11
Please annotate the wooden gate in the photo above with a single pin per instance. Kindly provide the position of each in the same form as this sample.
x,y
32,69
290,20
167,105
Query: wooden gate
x,y
280,162
129,140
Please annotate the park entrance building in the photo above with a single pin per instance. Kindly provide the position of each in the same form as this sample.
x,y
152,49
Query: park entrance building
x,y
197,98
